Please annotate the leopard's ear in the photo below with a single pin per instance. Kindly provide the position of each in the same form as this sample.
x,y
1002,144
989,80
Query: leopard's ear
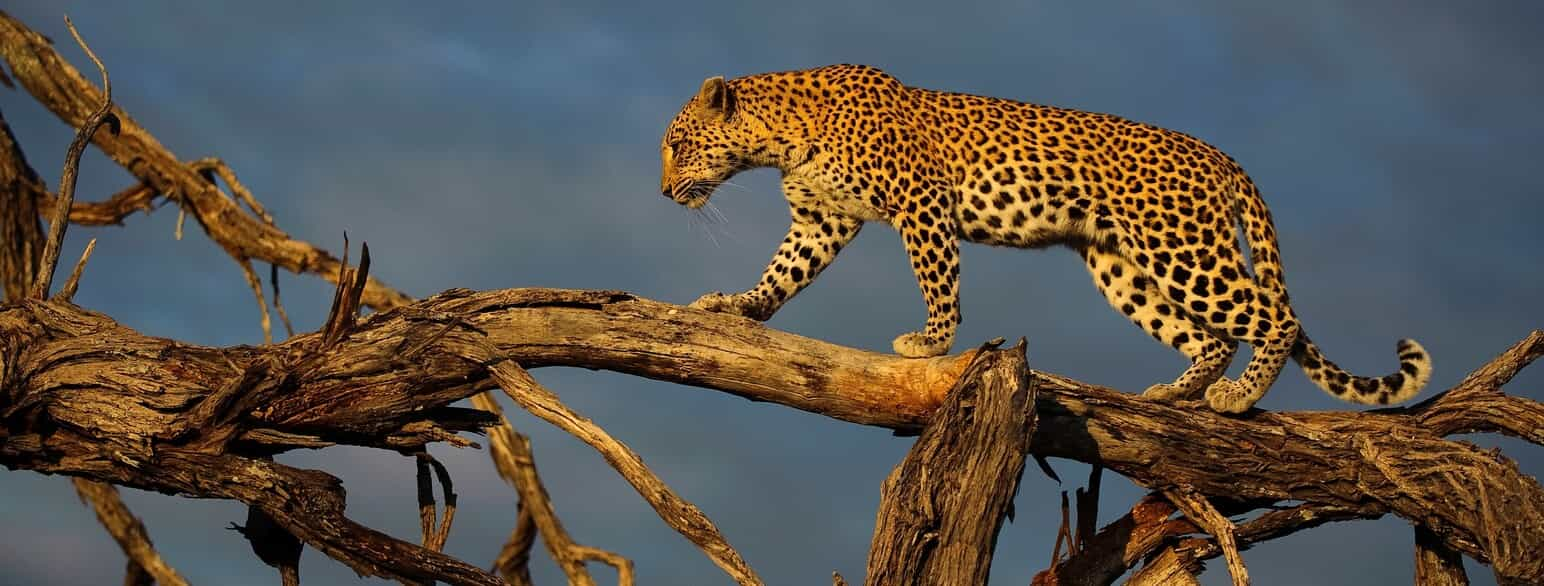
x,y
715,98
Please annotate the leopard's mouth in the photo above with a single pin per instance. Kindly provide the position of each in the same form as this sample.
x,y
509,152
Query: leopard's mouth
x,y
693,194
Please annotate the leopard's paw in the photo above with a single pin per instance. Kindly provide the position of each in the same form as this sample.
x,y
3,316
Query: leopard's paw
x,y
917,345
1165,392
737,304
1226,396
715,302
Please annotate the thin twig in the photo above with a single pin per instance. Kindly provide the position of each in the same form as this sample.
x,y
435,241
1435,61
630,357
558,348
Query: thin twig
x,y
448,493
513,561
61,216
128,531
273,278
67,293
425,500
256,285
623,565
1088,508
1063,533
218,167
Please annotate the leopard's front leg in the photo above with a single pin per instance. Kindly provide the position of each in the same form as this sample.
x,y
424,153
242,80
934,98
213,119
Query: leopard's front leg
x,y
935,258
814,237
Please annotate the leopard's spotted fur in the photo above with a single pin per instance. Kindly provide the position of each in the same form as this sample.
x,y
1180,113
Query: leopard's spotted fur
x,y
1153,213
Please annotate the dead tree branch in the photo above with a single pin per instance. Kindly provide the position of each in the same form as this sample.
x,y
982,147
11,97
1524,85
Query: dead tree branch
x,y
128,531
26,268
1203,514
681,515
60,219
511,452
59,87
941,508
54,356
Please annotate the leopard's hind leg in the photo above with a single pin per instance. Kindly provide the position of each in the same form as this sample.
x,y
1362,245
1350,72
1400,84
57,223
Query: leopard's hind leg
x,y
1211,286
1269,326
1136,295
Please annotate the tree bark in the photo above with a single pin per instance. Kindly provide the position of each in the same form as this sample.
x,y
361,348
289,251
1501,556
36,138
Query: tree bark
x,y
942,507
21,234
1435,564
112,401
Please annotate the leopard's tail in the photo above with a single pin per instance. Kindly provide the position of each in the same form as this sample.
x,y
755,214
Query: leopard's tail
x,y
1413,374
1265,258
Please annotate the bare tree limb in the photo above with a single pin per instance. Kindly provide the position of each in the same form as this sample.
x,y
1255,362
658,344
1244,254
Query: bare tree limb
x,y
1203,514
1400,467
685,517
21,258
128,531
1118,546
60,87
513,561
67,293
1477,405
1168,569
435,531
941,508
511,452
61,216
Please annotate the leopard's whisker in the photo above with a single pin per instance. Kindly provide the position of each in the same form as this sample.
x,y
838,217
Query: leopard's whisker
x,y
707,226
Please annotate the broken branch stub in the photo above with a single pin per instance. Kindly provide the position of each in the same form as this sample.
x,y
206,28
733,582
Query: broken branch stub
x,y
941,508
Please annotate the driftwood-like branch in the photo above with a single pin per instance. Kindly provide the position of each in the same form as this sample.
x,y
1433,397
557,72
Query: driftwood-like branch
x,y
941,508
1372,462
511,452
128,531
60,220
23,248
61,89
1203,514
681,515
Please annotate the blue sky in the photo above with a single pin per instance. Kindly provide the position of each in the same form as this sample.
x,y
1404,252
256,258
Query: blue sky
x,y
515,144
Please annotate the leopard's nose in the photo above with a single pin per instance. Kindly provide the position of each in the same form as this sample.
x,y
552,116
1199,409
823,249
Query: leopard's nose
x,y
666,192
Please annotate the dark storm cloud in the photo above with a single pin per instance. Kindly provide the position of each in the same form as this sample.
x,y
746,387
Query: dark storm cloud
x,y
516,145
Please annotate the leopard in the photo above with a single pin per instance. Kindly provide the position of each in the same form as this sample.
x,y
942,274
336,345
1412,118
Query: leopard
x,y
1155,214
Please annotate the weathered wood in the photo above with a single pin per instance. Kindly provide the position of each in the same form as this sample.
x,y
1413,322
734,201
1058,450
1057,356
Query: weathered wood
x,y
128,531
62,89
82,366
511,452
1435,564
1204,515
21,234
941,508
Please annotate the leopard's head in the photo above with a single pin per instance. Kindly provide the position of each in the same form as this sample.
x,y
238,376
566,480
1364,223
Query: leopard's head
x,y
709,141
